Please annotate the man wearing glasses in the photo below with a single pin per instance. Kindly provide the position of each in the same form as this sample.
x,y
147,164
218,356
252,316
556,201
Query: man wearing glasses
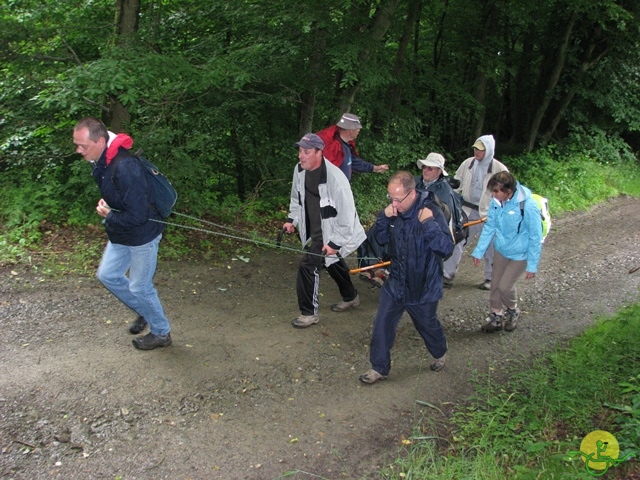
x,y
419,239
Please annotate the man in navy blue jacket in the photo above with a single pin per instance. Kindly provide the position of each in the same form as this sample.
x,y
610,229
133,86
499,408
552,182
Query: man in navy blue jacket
x,y
127,208
419,239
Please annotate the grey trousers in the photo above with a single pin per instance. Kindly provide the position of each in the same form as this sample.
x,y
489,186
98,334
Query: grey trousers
x,y
503,285
451,264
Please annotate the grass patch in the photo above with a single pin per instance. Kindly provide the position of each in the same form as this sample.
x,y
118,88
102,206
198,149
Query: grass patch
x,y
527,427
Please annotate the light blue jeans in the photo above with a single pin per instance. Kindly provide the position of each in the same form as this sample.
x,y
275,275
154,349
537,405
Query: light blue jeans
x,y
136,291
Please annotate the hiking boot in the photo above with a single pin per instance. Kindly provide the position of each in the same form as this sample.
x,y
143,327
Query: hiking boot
x,y
438,364
366,276
511,322
486,285
493,323
151,341
138,325
342,306
371,377
447,282
370,278
304,321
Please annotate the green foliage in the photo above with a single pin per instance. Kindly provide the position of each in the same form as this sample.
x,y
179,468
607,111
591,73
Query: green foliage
x,y
400,147
215,93
628,421
13,250
526,427
83,258
57,194
574,177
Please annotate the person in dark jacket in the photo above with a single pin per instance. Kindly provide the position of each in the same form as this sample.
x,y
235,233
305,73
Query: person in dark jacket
x,y
127,208
419,238
435,178
340,147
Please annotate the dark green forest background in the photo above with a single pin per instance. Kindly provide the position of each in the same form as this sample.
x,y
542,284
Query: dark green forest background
x,y
217,92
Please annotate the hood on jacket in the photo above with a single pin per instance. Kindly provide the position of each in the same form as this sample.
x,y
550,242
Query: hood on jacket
x,y
115,142
489,147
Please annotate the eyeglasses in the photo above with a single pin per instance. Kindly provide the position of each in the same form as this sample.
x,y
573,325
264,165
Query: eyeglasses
x,y
429,169
396,200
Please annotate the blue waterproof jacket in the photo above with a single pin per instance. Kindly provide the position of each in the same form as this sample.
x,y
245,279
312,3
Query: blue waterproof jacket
x,y
416,250
123,185
516,233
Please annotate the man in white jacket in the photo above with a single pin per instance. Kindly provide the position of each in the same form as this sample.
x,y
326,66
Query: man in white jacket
x,y
323,209
474,174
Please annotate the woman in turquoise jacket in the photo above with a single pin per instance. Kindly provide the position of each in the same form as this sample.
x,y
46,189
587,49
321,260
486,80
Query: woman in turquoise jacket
x,y
514,224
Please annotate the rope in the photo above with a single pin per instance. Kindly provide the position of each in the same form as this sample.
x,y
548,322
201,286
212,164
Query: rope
x,y
234,237
256,241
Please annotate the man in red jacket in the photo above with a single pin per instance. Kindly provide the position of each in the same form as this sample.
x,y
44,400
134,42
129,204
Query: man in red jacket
x,y
340,147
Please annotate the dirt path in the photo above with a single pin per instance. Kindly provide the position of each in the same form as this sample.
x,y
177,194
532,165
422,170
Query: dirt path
x,y
243,395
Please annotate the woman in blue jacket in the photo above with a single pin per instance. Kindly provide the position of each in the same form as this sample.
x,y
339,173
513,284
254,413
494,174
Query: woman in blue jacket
x,y
515,226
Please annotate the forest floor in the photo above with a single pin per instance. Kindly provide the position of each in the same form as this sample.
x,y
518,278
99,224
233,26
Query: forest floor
x,y
241,394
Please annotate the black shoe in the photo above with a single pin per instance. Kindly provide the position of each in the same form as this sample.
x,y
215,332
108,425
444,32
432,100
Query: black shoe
x,y
151,341
138,325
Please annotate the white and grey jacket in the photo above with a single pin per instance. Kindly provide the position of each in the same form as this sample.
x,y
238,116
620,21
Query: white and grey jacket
x,y
465,175
341,228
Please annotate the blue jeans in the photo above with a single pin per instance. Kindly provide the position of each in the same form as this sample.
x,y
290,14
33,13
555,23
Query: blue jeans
x,y
386,322
136,291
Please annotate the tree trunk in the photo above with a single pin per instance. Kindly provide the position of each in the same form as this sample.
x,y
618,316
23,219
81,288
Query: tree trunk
x,y
482,80
587,63
316,63
561,59
380,26
413,16
438,43
118,116
127,19
128,13
239,165
520,98
480,96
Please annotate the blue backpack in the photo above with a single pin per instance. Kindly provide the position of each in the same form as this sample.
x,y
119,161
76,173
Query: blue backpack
x,y
164,195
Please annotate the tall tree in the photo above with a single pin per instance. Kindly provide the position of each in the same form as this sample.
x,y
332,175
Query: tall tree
x,y
128,12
